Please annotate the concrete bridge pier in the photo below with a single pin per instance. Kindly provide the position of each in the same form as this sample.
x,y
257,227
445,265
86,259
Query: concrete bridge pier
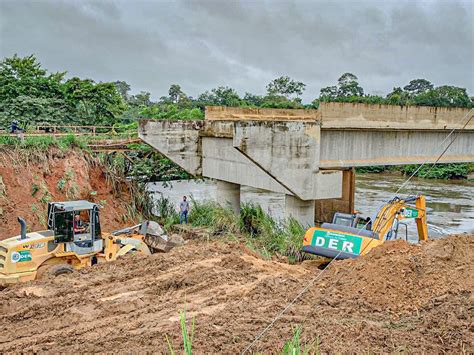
x,y
228,195
302,211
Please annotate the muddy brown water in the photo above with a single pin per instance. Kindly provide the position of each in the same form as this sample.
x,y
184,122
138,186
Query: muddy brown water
x,y
450,203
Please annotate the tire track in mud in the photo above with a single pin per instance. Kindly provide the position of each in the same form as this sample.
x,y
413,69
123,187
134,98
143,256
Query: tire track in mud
x,y
400,297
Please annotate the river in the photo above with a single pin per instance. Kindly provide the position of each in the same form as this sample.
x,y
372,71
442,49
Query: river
x,y
450,203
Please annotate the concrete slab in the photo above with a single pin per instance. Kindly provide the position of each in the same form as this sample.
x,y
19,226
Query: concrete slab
x,y
355,115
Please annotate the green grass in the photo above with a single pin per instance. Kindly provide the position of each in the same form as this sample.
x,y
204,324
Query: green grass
x,y
295,347
253,226
187,334
260,232
44,143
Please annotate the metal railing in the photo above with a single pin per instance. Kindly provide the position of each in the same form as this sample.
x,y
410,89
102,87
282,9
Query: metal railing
x,y
67,129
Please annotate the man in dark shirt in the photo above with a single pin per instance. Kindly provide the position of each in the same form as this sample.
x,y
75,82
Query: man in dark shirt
x,y
14,126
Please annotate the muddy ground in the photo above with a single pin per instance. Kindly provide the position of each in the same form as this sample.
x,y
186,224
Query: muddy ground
x,y
400,297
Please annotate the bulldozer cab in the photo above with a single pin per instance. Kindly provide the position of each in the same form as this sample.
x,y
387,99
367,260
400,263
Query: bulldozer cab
x,y
76,224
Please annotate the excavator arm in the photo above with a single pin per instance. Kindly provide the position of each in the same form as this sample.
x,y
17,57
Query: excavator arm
x,y
400,209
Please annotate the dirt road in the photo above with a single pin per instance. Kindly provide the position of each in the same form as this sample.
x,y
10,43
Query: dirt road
x,y
398,298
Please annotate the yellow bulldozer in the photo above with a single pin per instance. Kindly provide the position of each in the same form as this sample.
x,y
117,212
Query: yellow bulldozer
x,y
74,240
350,235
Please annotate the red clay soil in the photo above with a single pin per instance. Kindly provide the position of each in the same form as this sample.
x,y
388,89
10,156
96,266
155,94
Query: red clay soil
x,y
400,297
28,181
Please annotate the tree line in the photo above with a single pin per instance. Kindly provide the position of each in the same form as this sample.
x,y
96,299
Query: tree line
x,y
34,96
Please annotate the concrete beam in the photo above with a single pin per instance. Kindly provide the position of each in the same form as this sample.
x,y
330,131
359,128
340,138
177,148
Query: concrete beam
x,y
177,140
346,148
259,114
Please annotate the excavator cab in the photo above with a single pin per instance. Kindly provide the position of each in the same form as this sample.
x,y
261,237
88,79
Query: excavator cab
x,y
353,220
77,225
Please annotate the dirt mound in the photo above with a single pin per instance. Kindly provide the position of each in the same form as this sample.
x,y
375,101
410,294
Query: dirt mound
x,y
414,298
29,181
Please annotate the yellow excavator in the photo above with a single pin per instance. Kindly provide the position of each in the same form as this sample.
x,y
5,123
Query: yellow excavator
x,y
350,235
74,240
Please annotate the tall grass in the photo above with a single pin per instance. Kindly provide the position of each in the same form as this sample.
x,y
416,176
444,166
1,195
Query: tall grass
x,y
187,334
261,233
219,219
295,347
167,212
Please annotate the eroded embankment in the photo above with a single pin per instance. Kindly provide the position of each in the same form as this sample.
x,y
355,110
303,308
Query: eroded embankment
x,y
415,298
29,180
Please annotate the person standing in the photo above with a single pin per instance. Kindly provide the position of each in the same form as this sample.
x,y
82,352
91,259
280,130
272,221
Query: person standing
x,y
183,211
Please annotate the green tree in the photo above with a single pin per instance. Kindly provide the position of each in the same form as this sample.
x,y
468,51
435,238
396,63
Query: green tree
x,y
252,100
346,90
285,86
418,86
444,96
397,97
280,101
93,103
175,93
141,99
28,94
123,89
328,94
178,96
348,86
220,96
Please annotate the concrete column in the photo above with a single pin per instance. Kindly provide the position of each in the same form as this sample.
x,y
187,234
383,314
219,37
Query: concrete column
x,y
326,208
302,211
228,195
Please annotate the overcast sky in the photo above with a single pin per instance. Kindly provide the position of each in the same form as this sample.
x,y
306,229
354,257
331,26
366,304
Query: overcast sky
x,y
245,44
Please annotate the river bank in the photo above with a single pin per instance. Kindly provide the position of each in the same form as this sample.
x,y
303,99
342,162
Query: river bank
x,y
450,203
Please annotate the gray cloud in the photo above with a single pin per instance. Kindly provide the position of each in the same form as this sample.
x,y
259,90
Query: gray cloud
x,y
245,44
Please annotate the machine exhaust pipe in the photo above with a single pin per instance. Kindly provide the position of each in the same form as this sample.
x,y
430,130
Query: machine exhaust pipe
x,y
23,228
